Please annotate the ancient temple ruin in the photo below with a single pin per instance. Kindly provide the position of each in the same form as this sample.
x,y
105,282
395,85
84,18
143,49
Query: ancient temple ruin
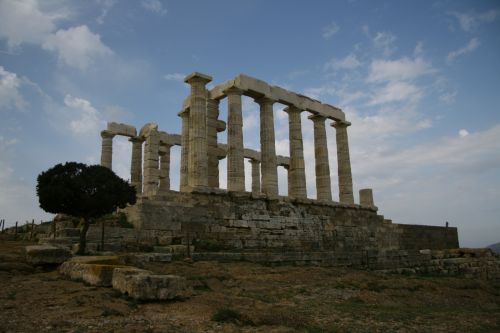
x,y
260,220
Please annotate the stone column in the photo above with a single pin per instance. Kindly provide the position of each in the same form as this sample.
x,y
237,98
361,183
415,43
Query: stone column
x,y
198,159
107,149
255,176
136,165
296,170
235,156
151,170
183,183
288,179
366,197
323,182
344,163
164,168
268,164
212,128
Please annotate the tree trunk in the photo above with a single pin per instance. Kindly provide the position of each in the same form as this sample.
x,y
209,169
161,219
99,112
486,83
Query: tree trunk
x,y
83,236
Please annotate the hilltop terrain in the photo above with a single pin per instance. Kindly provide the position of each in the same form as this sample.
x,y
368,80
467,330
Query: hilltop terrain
x,y
246,297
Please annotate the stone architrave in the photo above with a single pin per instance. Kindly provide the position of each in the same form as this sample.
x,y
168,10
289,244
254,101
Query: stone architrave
x,y
235,157
136,164
164,168
255,175
184,183
268,166
296,170
344,163
323,182
212,128
107,149
151,170
198,159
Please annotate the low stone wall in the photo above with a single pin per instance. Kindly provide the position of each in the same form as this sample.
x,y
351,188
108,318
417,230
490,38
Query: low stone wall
x,y
236,222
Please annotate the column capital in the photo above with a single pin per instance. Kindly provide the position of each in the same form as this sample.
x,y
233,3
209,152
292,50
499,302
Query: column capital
x,y
264,100
253,161
293,109
317,118
340,124
107,134
184,113
197,77
234,91
136,139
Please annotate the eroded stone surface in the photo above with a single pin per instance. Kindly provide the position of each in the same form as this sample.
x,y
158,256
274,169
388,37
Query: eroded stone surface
x,y
46,254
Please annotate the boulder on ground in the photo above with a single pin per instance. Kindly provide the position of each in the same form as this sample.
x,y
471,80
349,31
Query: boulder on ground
x,y
46,254
146,286
94,270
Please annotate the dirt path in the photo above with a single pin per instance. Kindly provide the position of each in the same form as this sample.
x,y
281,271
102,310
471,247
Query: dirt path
x,y
244,297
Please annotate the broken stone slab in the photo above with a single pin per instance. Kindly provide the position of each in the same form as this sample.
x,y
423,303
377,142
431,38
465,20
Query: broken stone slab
x,y
46,254
94,270
145,286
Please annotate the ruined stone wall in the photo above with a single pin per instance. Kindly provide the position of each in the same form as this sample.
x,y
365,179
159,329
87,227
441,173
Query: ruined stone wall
x,y
235,222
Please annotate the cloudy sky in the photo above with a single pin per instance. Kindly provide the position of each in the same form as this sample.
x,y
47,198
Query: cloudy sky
x,y
420,82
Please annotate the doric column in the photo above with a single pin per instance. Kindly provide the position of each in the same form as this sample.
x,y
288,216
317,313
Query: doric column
x,y
235,157
296,170
107,149
151,170
212,125
198,159
268,164
366,197
164,168
344,163
184,184
323,182
136,165
288,179
255,175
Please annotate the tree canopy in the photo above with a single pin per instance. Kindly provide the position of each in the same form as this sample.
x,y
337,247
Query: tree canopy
x,y
83,191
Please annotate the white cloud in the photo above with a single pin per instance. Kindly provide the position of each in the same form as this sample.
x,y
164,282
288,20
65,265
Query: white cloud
x,y
77,47
401,69
10,96
154,6
382,40
463,133
397,91
88,120
471,46
24,22
348,62
330,30
448,97
175,77
106,6
470,21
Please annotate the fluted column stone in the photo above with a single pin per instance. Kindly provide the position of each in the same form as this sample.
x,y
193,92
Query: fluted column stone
x,y
344,163
151,169
212,129
323,182
107,149
235,155
255,176
136,164
184,184
198,159
164,154
268,166
296,169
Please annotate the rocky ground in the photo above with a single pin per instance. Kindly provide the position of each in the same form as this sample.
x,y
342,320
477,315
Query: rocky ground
x,y
245,297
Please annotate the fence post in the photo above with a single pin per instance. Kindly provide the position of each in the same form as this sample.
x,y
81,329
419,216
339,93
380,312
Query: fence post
x,y
15,232
102,235
32,227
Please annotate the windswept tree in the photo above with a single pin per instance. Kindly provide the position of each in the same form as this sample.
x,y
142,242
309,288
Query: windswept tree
x,y
83,191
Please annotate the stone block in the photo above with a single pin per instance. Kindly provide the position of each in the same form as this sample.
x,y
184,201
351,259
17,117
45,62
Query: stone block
x,y
94,270
145,286
46,254
122,129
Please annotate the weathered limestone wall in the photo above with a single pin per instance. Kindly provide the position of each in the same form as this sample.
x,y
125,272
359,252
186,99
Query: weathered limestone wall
x,y
417,237
347,234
